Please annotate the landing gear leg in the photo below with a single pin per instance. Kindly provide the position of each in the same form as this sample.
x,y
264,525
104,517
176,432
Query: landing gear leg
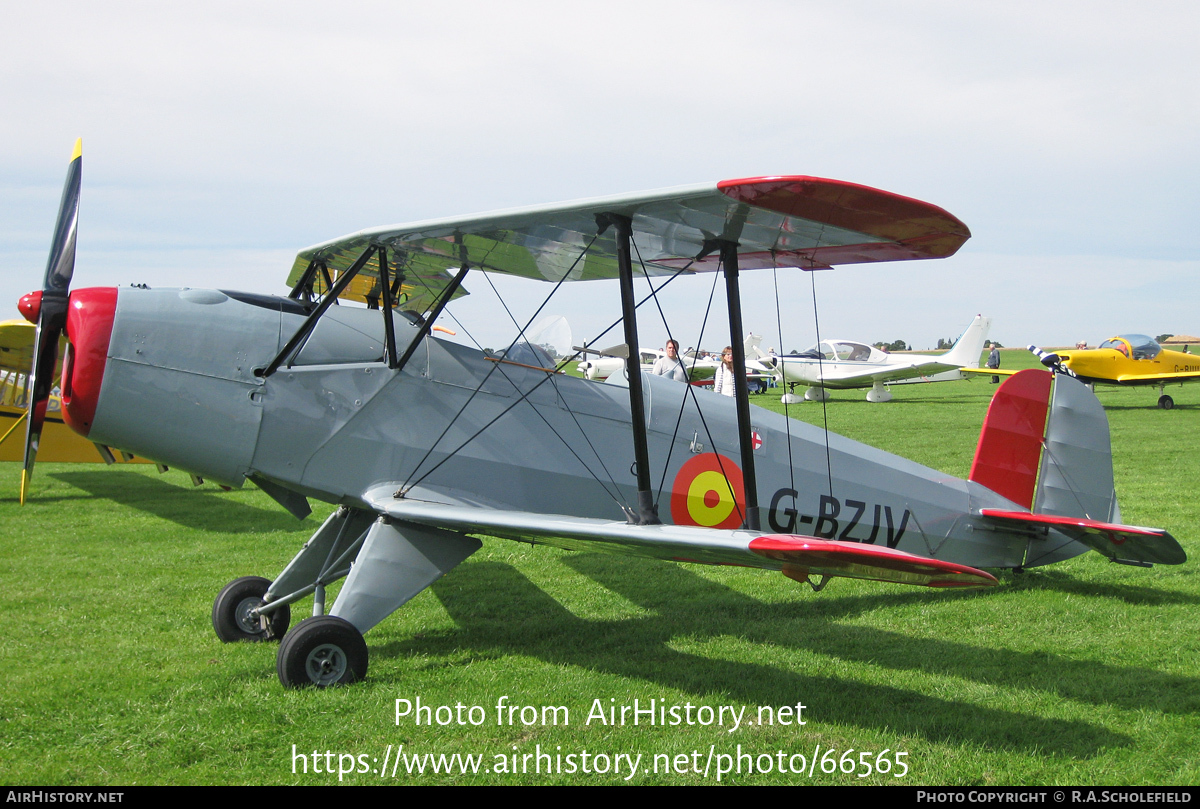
x,y
392,563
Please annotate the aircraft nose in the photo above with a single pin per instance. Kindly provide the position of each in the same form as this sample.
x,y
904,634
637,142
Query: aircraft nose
x,y
30,306
90,314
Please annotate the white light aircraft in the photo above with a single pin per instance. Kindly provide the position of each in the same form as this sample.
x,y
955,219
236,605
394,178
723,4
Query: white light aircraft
x,y
844,364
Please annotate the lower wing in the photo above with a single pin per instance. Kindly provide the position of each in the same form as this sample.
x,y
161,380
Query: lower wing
x,y
798,557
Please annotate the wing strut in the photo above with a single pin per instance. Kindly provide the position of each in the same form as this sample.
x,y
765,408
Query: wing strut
x,y
330,298
729,259
427,326
385,291
647,511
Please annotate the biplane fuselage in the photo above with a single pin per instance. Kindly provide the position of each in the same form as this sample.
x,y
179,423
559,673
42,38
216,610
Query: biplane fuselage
x,y
339,424
425,444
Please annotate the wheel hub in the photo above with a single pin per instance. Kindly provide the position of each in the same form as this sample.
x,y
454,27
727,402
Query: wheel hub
x,y
247,617
326,664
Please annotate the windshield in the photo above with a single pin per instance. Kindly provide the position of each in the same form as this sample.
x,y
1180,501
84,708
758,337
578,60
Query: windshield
x,y
840,350
1143,347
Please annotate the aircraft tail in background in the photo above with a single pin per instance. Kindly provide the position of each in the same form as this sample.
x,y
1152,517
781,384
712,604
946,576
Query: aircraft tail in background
x,y
969,348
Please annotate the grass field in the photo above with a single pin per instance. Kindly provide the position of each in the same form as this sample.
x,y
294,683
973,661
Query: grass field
x,y
1082,673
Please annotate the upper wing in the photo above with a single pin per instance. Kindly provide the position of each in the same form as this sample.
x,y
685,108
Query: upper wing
x,y
797,556
776,221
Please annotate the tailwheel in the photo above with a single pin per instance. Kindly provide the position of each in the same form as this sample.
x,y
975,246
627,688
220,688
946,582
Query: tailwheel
x,y
234,617
1166,402
322,651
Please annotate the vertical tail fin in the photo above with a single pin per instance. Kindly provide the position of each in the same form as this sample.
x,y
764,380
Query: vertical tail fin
x,y
1010,443
967,350
1077,470
1065,435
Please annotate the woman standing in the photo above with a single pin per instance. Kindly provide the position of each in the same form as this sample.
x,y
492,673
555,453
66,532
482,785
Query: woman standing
x,y
724,381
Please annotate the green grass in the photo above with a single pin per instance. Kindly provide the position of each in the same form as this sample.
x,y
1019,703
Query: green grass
x,y
1081,673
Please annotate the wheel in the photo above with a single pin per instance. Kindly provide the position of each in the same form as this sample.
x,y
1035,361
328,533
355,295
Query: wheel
x,y
322,651
231,612
1166,402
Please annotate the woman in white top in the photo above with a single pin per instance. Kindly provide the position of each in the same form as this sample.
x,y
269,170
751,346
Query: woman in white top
x,y
724,381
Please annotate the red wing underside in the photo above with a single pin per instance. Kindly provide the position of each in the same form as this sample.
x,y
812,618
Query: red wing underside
x,y
803,557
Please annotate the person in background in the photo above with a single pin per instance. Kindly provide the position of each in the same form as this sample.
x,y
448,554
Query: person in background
x,y
670,365
724,382
993,362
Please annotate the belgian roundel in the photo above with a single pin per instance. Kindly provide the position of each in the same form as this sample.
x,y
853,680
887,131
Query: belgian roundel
x,y
708,491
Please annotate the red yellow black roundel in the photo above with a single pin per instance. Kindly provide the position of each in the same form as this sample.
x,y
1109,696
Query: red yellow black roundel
x,y
708,491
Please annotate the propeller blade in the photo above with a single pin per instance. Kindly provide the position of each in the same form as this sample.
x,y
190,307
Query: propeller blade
x,y
52,311
1051,361
61,265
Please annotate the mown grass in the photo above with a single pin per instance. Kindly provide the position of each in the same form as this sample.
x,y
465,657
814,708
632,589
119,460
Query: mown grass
x,y
1081,673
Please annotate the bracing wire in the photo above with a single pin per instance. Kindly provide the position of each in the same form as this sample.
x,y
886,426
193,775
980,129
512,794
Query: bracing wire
x,y
485,379
691,390
570,412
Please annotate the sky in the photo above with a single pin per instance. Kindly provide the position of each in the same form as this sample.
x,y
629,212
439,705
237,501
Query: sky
x,y
221,138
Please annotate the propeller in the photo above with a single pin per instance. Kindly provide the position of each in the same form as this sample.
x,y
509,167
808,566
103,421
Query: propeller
x,y
48,310
1051,361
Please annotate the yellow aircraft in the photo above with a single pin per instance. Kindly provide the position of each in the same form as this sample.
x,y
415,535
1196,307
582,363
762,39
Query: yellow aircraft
x,y
1128,359
59,443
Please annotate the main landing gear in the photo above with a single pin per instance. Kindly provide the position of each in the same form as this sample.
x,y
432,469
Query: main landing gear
x,y
235,614
322,651
384,564
1166,402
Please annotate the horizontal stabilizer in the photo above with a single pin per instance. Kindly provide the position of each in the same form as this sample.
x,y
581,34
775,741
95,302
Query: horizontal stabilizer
x,y
1120,543
804,556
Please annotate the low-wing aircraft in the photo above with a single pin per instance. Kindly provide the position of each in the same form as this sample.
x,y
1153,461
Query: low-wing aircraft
x,y
425,444
843,364
1128,359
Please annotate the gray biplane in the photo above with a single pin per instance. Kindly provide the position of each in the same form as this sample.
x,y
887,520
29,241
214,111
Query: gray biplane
x,y
425,444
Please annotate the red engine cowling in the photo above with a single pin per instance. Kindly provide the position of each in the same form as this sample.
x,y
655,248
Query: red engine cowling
x,y
90,315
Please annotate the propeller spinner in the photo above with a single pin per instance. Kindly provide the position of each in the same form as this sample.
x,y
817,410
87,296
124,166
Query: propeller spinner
x,y
48,310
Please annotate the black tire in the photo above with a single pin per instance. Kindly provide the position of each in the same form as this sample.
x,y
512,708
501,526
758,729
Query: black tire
x,y
322,651
1166,402
231,612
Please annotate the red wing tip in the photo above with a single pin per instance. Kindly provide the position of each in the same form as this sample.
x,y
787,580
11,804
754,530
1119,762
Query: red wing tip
x,y
844,554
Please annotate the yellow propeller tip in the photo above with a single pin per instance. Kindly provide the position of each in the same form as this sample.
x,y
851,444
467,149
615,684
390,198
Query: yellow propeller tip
x,y
24,484
78,152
